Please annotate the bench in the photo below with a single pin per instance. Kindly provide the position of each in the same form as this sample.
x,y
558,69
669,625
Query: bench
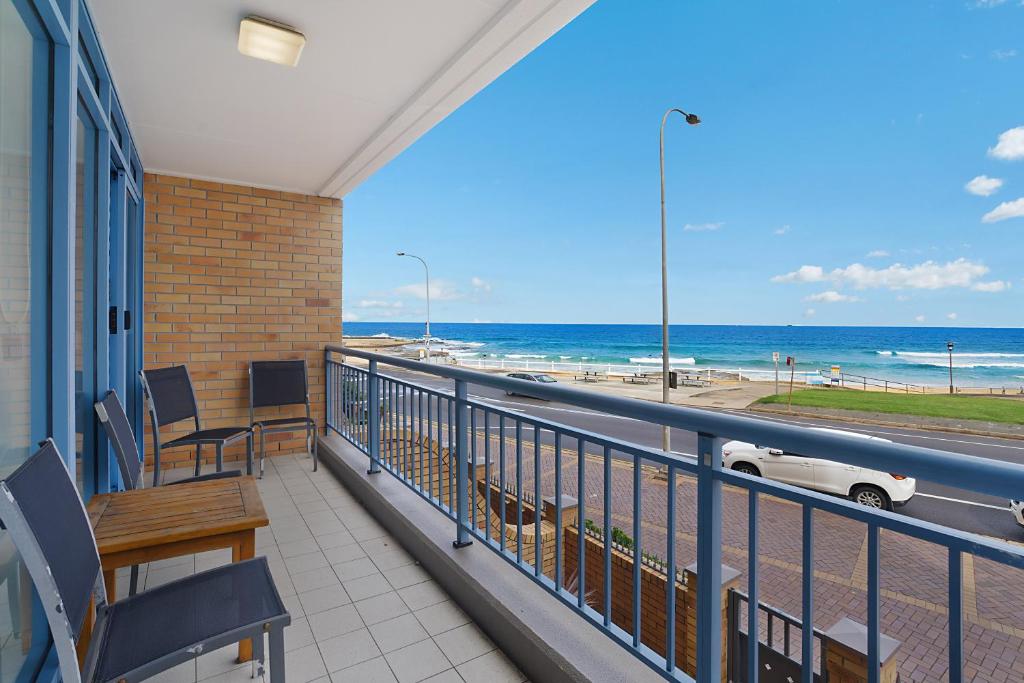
x,y
589,376
638,378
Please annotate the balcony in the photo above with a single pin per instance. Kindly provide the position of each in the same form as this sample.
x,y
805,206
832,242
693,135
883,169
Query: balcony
x,y
362,608
893,598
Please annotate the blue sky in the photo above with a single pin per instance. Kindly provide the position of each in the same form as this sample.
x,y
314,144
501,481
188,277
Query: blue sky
x,y
827,185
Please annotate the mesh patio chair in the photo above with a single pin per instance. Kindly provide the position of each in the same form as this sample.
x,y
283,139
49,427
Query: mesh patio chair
x,y
115,423
171,398
140,636
276,383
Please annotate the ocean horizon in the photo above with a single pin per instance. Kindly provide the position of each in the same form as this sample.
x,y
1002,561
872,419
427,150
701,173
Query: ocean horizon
x,y
982,357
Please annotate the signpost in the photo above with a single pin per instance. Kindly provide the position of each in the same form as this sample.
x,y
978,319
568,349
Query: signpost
x,y
791,362
775,359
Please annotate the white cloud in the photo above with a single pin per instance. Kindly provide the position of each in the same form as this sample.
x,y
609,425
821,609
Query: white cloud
x,y
373,303
1002,55
349,317
988,3
919,318
440,290
1010,145
951,316
832,297
782,231
878,253
802,274
983,186
903,297
1014,209
927,275
480,284
702,227
993,286
809,313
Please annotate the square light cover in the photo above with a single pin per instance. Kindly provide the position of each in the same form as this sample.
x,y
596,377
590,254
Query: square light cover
x,y
269,40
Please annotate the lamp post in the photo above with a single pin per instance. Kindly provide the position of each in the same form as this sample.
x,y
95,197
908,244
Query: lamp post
x,y
693,120
949,347
426,337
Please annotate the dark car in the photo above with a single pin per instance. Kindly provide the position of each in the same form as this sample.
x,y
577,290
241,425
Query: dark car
x,y
530,377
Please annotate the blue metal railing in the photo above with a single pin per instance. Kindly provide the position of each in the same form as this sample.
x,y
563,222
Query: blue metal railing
x,y
405,427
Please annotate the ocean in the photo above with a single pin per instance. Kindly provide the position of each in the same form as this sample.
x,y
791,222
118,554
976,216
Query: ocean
x,y
982,357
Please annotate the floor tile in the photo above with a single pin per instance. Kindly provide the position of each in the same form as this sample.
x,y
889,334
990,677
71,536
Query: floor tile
x,y
444,616
346,650
372,671
335,622
405,576
397,633
367,586
422,595
323,599
463,643
492,667
381,608
417,662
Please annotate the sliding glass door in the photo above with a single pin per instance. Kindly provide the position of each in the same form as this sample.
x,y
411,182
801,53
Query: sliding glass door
x,y
25,334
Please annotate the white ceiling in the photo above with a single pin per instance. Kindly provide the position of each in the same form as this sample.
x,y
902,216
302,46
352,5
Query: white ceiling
x,y
374,76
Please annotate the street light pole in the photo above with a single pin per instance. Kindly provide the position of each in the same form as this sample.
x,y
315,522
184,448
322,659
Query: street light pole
x,y
426,270
949,347
693,120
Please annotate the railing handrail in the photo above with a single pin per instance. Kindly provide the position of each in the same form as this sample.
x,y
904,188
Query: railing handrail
x,y
993,477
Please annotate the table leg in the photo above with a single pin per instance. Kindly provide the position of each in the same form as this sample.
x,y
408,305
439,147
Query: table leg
x,y
245,549
110,583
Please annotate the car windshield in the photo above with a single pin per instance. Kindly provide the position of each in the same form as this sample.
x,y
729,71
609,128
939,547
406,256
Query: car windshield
x,y
544,378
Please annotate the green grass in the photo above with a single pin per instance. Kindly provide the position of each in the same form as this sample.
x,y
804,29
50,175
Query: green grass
x,y
927,405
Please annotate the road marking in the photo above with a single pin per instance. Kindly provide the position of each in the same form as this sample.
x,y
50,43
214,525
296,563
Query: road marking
x,y
859,428
1004,508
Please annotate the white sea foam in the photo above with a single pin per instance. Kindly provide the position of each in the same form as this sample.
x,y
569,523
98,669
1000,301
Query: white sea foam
x,y
656,359
381,335
931,354
886,353
524,355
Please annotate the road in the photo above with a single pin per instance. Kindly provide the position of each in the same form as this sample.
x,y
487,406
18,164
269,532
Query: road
x,y
955,508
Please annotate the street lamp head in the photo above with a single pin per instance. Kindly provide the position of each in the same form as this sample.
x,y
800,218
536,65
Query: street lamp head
x,y
692,119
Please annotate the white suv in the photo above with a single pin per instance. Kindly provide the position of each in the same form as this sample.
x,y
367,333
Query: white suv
x,y
867,487
1017,508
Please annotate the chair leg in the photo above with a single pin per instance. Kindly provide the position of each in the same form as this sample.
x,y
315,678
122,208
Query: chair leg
x,y
199,458
263,449
258,657
277,655
248,454
133,582
316,452
220,457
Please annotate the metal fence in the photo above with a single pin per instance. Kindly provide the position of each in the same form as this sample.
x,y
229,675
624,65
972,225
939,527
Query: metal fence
x,y
403,426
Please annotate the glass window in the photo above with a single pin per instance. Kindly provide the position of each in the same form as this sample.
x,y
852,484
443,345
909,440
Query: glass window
x,y
24,343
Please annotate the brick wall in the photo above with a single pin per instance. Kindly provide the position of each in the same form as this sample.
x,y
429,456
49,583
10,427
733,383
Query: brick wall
x,y
234,274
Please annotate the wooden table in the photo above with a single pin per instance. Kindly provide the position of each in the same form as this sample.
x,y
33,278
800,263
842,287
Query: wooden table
x,y
145,525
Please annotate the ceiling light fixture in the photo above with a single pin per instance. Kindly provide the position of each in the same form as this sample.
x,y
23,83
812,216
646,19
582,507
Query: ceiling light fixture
x,y
270,40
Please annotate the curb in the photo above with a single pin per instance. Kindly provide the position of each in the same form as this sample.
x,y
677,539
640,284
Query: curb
x,y
851,416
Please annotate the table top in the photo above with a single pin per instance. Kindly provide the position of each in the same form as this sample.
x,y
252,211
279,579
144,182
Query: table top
x,y
129,520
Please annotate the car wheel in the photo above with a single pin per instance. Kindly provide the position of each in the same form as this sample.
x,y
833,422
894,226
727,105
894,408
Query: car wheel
x,y
872,497
747,468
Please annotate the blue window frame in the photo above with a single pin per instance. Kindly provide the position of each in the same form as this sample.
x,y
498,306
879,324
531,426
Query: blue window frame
x,y
71,232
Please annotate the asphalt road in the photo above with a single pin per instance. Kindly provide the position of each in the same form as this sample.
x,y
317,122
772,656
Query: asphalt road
x,y
956,508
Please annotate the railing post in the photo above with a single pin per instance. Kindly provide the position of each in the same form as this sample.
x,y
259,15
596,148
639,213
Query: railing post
x,y
328,393
373,417
461,463
709,559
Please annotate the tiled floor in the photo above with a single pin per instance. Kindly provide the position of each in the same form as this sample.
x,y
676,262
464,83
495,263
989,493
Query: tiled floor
x,y
362,609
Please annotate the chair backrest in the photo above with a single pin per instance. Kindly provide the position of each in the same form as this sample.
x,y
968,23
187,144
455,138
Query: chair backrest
x,y
119,431
41,509
277,383
170,393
